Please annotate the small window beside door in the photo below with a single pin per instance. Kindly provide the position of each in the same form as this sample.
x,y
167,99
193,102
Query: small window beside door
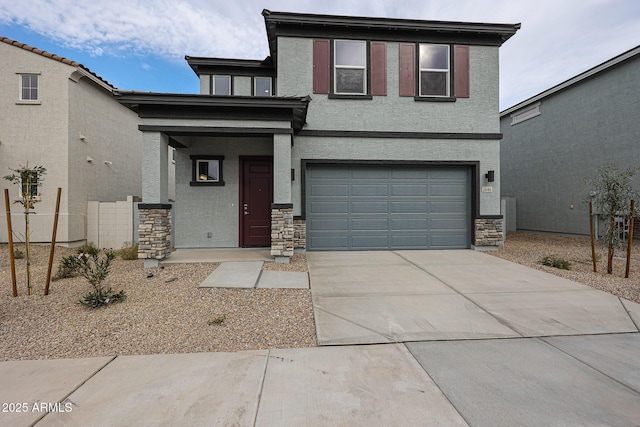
x,y
206,170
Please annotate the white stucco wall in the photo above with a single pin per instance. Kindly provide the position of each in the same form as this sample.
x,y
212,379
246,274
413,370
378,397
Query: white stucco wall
x,y
47,133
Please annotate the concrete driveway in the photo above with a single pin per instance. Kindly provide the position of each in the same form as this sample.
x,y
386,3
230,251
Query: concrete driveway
x,y
403,296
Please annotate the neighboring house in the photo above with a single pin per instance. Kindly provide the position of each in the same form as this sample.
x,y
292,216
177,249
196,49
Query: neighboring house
x,y
554,140
354,134
58,114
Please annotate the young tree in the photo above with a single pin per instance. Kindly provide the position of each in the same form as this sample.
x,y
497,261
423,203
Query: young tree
x,y
612,192
29,180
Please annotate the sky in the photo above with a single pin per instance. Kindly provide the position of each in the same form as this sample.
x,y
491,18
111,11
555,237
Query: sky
x,y
140,44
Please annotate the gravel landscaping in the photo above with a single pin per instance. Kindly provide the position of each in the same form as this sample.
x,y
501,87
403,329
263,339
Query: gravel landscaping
x,y
528,248
168,313
159,316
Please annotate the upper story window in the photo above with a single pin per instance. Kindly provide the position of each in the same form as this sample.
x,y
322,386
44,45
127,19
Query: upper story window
x,y
434,70
350,67
221,85
262,86
29,87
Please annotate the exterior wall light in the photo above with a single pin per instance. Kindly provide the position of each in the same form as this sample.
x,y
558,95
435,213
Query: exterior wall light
x,y
490,176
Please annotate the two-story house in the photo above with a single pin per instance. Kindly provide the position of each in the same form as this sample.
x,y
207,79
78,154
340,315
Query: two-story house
x,y
354,134
58,114
556,139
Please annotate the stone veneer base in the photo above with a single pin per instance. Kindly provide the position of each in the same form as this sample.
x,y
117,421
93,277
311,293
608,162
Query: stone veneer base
x,y
488,233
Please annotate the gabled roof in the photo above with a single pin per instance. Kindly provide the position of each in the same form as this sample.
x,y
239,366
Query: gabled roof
x,y
575,80
85,71
391,29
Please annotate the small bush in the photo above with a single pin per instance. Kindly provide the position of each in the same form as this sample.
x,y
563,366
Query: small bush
x,y
129,251
557,262
69,267
88,248
18,254
102,297
95,268
217,321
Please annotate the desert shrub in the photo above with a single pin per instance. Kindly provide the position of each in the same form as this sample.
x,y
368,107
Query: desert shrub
x,y
95,267
129,251
217,321
557,262
69,267
88,248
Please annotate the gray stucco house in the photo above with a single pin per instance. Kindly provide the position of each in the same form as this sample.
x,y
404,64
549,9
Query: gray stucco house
x,y
355,133
554,140
58,114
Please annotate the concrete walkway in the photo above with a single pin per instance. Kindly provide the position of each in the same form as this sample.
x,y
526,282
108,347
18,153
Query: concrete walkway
x,y
544,352
249,274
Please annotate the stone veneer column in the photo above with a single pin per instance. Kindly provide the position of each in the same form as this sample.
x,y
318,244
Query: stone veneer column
x,y
488,232
299,234
282,231
154,233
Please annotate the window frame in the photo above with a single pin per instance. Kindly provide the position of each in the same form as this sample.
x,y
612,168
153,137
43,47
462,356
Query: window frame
x,y
212,84
195,179
21,88
254,86
366,94
33,194
449,75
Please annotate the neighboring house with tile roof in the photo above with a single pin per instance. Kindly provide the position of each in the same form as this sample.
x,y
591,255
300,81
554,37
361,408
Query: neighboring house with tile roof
x,y
557,138
58,114
354,134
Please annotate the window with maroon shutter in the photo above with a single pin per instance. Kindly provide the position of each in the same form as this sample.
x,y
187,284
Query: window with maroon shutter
x,y
461,71
407,69
434,67
350,67
378,68
321,66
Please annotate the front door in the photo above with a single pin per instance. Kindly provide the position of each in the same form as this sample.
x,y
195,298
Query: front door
x,y
256,196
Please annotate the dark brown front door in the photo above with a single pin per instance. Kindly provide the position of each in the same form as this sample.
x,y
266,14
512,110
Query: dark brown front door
x,y
256,196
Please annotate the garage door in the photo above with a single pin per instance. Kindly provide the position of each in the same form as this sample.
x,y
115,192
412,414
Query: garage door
x,y
364,207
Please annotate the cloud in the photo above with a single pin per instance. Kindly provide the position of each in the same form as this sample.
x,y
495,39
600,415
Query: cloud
x,y
558,39
168,29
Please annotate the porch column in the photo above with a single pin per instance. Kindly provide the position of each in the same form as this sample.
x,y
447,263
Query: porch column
x,y
282,230
154,230
155,167
282,168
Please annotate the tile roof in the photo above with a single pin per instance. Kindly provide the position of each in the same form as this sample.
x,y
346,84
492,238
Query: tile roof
x,y
52,56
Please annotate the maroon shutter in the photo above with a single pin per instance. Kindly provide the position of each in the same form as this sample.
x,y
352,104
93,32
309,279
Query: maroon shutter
x,y
321,71
461,71
379,68
407,69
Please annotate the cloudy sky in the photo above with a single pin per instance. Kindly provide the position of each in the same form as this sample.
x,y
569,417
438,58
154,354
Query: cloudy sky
x,y
141,44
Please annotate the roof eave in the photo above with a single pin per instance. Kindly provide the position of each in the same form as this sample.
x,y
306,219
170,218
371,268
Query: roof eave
x,y
573,80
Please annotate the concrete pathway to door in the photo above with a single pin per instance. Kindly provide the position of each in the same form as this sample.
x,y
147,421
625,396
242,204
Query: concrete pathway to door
x,y
494,344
